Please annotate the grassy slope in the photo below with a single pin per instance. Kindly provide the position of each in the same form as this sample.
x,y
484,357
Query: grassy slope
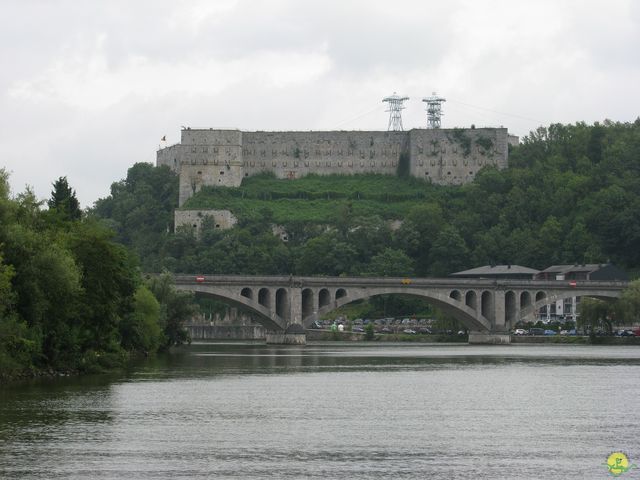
x,y
316,198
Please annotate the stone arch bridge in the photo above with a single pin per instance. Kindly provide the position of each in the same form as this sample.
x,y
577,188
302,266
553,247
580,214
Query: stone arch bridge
x,y
488,308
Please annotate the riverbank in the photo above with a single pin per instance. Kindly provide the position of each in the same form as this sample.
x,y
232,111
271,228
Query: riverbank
x,y
575,339
325,336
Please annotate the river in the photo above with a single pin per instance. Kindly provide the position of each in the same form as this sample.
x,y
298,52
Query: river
x,y
352,411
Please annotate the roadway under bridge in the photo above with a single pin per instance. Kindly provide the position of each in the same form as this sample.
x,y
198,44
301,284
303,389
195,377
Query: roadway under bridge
x,y
488,308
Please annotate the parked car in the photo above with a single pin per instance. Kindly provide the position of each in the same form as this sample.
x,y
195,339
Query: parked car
x,y
536,331
315,325
424,331
520,331
358,329
568,332
410,331
549,332
625,333
386,330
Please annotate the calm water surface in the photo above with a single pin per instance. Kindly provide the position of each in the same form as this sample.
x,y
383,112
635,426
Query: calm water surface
x,y
333,411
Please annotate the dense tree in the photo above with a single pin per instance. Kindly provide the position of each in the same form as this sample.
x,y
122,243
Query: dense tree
x,y
70,297
140,210
628,307
175,308
391,262
326,254
63,200
596,315
108,284
140,330
449,252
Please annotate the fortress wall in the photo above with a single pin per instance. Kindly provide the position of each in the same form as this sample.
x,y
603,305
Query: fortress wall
x,y
454,156
210,136
224,157
193,219
194,176
209,157
170,156
296,154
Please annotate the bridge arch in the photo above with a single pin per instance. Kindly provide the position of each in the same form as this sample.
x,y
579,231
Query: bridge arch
x,y
554,296
525,299
471,299
308,304
282,303
264,297
486,304
264,316
469,317
324,298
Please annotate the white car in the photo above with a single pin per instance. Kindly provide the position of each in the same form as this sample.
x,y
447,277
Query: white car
x,y
520,331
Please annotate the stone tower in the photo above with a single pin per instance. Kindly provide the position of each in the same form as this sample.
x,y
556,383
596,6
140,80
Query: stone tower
x,y
205,157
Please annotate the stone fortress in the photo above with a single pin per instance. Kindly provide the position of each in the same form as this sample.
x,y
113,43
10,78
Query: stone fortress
x,y
210,157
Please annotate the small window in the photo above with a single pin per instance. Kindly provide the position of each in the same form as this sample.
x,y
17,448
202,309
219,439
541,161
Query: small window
x,y
221,173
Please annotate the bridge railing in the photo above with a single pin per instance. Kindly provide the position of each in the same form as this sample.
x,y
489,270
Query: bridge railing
x,y
445,282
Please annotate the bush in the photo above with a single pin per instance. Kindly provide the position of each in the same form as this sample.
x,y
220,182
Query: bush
x,y
368,331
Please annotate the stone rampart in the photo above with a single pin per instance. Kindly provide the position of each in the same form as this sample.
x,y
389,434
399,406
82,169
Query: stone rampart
x,y
193,219
224,157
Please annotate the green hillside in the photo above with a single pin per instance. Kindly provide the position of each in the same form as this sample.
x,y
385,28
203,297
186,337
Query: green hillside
x,y
316,198
571,194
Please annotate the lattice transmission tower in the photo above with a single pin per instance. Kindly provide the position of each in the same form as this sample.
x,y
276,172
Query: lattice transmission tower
x,y
434,110
395,111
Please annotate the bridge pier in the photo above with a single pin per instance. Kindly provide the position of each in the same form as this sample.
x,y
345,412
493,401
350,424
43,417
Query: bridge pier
x,y
488,338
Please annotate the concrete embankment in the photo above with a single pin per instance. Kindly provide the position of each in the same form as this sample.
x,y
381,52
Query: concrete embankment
x,y
226,332
580,340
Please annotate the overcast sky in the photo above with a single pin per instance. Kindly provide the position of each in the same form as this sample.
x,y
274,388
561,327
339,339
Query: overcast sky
x,y
88,88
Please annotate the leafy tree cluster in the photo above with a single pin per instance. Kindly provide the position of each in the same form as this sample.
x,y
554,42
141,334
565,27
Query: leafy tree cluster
x,y
140,211
71,298
602,315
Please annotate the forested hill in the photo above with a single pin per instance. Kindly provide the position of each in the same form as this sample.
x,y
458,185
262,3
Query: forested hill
x,y
571,195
